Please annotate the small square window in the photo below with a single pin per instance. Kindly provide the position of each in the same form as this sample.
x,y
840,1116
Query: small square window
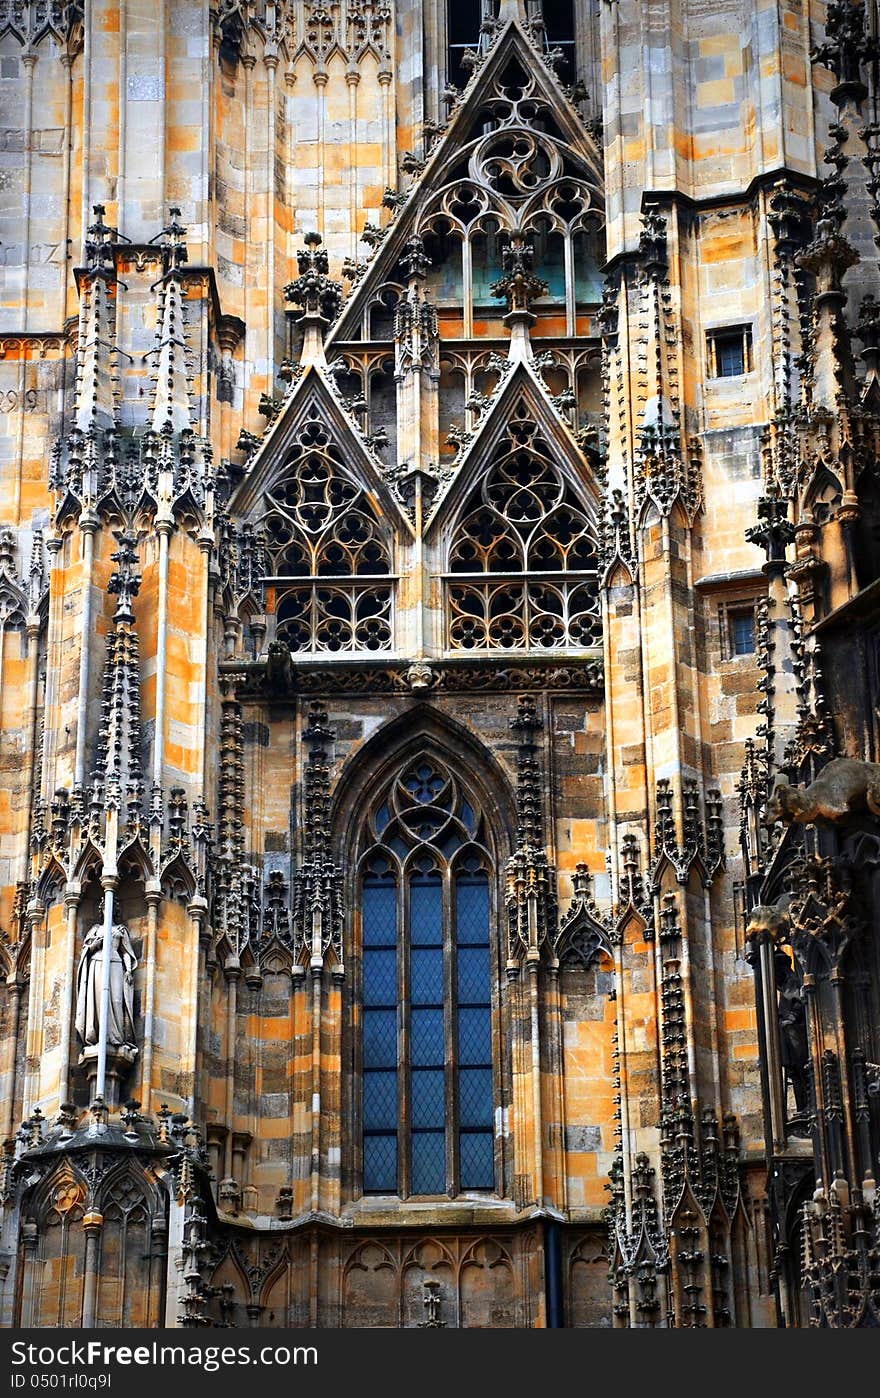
x,y
729,351
741,626
737,627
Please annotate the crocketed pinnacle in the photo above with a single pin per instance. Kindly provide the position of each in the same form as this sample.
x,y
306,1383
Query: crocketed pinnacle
x,y
95,403
172,398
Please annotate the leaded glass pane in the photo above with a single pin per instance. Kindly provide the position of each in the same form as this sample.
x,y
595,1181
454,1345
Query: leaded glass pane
x,y
426,977
429,1162
380,913
429,1098
380,977
473,975
474,1037
380,1100
426,1038
426,912
380,1038
423,817
476,1152
380,1164
472,910
475,1097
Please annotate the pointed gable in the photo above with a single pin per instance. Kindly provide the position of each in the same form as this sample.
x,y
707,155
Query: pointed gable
x,y
515,156
520,396
313,401
312,530
521,532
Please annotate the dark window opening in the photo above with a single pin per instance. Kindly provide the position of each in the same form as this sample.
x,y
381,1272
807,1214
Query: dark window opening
x,y
463,20
560,32
742,632
729,351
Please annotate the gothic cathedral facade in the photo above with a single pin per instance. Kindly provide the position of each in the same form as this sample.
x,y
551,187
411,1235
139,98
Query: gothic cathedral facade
x,y
439,663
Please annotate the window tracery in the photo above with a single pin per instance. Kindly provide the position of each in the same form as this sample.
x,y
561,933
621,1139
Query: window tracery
x,y
523,561
426,915
326,557
518,176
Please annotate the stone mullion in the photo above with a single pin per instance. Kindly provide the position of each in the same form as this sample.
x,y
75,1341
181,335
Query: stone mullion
x,y
331,1095
626,731
30,754
557,1182
525,1165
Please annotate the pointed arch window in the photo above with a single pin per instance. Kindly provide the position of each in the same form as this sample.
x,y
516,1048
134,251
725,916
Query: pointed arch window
x,y
328,562
523,566
427,1098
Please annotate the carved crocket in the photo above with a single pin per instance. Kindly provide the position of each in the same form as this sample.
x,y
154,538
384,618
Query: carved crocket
x,y
844,788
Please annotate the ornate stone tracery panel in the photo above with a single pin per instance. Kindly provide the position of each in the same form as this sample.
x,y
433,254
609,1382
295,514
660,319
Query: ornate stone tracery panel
x,y
325,553
523,560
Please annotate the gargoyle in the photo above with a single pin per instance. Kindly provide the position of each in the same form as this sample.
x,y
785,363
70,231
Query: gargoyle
x,y
771,917
843,788
279,671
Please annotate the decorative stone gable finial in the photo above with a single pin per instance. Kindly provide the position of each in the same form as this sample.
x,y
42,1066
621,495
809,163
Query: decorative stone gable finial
x,y
99,244
316,294
847,47
415,262
774,531
519,286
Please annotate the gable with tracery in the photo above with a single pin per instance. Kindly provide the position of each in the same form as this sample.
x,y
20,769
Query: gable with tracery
x,y
522,566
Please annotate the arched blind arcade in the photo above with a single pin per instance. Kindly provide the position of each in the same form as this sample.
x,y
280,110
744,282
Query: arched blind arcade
x,y
426,917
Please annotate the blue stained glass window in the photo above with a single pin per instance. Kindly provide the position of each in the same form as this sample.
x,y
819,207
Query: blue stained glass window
x,y
426,1038
475,1096
380,1038
380,977
381,994
426,912
474,1037
426,976
429,1098
445,1083
473,975
476,1150
472,910
429,1162
380,913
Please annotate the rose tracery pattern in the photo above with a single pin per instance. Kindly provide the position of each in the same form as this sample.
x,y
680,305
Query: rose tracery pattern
x,y
523,563
321,531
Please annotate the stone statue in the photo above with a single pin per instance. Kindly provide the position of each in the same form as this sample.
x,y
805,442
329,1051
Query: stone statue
x,y
843,788
793,1031
89,987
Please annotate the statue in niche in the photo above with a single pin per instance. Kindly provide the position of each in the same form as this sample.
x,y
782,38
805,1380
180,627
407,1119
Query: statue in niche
x,y
90,982
792,1031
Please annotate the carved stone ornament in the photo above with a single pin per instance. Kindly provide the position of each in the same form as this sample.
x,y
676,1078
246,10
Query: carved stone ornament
x,y
90,983
844,788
